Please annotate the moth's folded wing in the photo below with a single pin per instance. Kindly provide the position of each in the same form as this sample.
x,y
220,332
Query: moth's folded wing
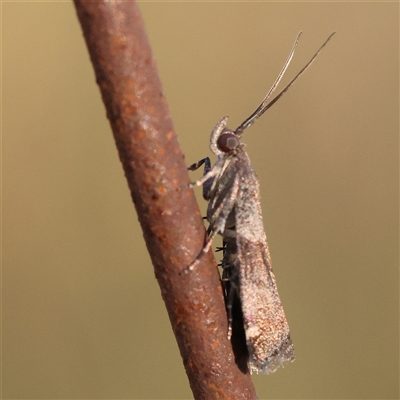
x,y
267,330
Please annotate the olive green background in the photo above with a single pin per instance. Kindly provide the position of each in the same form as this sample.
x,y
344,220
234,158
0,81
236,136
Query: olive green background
x,y
82,315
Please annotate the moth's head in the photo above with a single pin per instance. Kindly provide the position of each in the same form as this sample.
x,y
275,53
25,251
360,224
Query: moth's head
x,y
228,141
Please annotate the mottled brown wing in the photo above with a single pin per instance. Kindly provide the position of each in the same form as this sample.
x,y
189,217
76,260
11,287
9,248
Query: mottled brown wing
x,y
267,331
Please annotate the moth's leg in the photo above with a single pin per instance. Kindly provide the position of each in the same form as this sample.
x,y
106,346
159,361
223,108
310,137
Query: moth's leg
x,y
229,306
229,295
218,216
204,250
218,225
199,163
214,204
230,280
225,209
229,233
207,168
214,171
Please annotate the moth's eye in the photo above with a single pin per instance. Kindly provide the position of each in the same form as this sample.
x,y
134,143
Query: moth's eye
x,y
227,142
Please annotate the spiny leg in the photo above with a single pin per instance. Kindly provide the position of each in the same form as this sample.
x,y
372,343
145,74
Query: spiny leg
x,y
218,225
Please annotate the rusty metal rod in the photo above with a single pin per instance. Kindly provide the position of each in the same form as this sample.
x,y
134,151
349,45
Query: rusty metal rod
x,y
155,170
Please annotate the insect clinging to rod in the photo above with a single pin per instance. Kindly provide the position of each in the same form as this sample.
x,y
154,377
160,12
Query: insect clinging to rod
x,y
234,211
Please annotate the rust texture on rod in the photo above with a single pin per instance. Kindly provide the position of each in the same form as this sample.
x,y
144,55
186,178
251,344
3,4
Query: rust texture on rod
x,y
155,170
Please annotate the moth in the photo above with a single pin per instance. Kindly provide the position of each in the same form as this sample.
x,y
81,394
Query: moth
x,y
232,190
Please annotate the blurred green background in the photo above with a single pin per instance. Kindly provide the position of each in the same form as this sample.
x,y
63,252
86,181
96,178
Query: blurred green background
x,y
82,311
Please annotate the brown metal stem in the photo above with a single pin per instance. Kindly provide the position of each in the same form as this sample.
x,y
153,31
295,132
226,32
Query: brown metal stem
x,y
155,170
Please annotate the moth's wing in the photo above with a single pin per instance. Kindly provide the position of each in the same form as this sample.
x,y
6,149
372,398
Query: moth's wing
x,y
267,331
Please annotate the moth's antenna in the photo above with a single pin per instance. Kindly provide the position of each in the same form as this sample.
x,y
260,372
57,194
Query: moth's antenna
x,y
265,104
250,120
